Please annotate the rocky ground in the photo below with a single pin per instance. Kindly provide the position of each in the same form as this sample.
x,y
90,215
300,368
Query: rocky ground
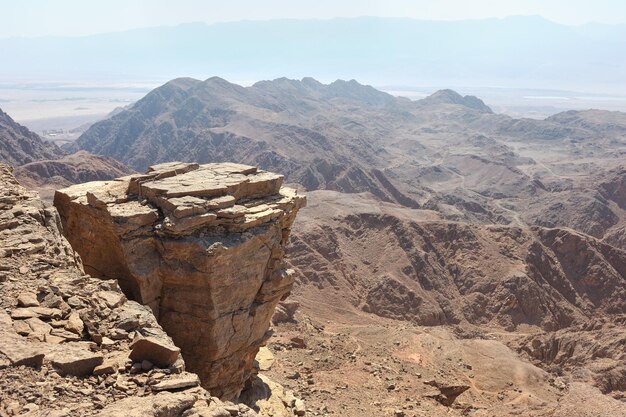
x,y
73,345
346,363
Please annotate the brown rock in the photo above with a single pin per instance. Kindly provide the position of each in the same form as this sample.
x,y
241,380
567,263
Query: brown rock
x,y
17,350
27,299
162,404
447,392
209,266
73,360
20,353
177,382
108,366
298,342
285,311
74,323
154,350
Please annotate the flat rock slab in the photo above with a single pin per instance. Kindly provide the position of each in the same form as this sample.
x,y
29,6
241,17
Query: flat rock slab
x,y
27,299
155,351
177,382
19,352
73,360
163,404
16,350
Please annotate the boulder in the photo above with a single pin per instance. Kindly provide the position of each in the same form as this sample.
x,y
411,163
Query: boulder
x,y
27,299
447,392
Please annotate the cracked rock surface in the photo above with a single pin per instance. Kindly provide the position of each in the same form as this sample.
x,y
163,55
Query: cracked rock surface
x,y
202,246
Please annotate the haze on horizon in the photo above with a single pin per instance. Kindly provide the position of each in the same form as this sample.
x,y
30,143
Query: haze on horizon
x,y
82,59
33,18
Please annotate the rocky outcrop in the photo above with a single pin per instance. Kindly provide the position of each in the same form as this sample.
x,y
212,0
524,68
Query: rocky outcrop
x,y
202,246
74,345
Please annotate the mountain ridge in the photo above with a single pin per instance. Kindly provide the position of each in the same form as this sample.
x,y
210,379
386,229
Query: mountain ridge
x,y
18,145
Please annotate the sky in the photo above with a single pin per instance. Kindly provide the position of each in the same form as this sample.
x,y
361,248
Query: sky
x,y
32,18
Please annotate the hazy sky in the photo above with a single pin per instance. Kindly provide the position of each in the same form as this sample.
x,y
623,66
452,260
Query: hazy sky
x,y
81,17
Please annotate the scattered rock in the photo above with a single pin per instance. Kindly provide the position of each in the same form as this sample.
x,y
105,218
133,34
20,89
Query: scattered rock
x,y
285,311
298,407
447,393
298,342
108,366
265,359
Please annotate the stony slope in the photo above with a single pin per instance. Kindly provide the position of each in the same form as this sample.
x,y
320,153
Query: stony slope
x,y
555,295
437,272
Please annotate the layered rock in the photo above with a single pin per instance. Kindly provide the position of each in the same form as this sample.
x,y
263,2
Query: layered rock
x,y
202,245
74,345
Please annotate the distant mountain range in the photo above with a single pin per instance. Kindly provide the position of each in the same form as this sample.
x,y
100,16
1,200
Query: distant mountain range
x,y
319,135
514,51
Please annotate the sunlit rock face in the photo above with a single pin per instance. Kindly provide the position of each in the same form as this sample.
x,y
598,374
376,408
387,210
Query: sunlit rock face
x,y
202,245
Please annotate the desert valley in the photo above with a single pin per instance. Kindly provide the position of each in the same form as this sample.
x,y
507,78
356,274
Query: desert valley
x,y
335,209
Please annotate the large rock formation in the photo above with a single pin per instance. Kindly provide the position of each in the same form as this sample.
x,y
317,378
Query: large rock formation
x,y
202,245
73,345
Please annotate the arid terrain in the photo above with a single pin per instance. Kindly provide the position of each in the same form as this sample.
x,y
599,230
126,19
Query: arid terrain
x,y
450,260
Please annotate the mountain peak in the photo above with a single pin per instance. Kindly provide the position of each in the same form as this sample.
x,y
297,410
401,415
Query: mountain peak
x,y
447,96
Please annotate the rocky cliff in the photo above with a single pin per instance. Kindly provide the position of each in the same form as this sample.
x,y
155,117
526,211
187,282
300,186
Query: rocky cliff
x,y
202,246
73,345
